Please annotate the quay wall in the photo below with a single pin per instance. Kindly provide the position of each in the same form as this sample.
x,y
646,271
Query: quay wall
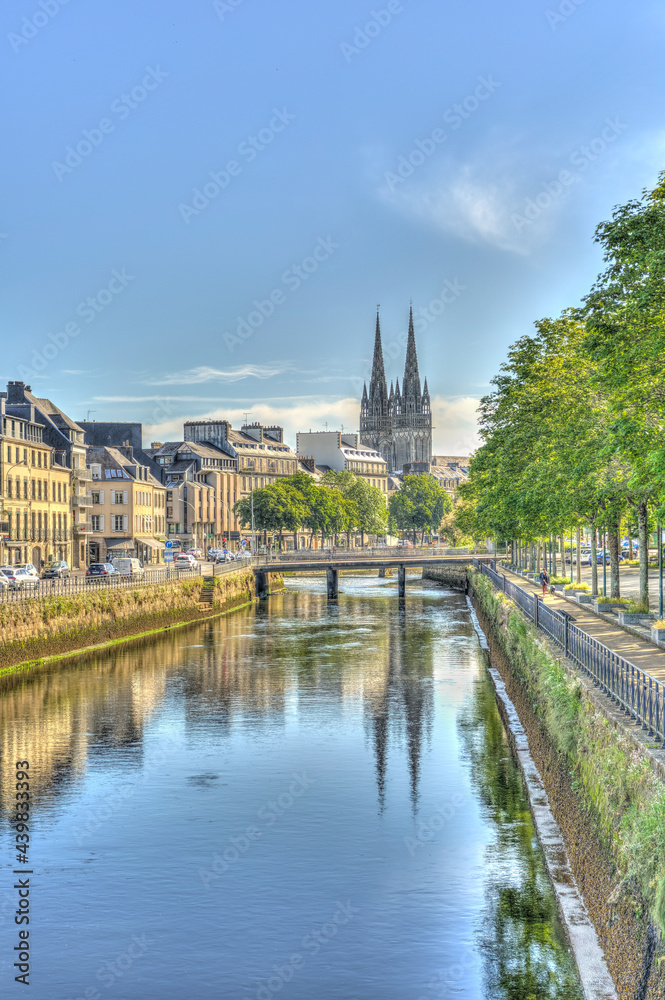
x,y
606,789
33,629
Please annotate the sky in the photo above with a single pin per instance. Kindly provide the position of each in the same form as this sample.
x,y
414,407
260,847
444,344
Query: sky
x,y
205,200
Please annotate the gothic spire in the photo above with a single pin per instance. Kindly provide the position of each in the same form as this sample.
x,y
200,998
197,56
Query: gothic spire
x,y
411,382
378,390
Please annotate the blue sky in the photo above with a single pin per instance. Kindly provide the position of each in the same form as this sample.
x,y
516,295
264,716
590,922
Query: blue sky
x,y
345,154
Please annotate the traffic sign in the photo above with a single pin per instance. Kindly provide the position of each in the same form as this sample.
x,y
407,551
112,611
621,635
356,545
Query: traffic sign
x,y
244,541
168,544
168,557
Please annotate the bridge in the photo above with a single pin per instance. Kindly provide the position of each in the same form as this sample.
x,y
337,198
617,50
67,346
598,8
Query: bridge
x,y
333,566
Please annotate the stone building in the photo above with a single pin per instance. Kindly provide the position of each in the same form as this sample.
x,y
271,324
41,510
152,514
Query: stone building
x,y
343,452
397,424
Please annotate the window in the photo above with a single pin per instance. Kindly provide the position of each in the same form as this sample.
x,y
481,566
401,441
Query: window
x,y
34,460
9,487
64,492
117,522
117,497
25,489
59,492
96,522
95,498
53,492
34,489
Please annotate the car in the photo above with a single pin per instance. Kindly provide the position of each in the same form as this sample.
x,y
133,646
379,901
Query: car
x,y
128,567
24,580
184,561
194,552
4,582
244,554
97,571
28,567
58,570
599,557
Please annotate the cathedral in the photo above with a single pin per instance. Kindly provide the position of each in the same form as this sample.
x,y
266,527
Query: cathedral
x,y
399,424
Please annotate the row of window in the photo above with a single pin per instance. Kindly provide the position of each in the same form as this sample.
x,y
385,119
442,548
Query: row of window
x,y
38,459
21,429
37,522
36,489
271,465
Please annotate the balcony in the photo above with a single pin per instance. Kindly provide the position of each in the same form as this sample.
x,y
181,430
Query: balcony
x,y
83,475
81,500
82,527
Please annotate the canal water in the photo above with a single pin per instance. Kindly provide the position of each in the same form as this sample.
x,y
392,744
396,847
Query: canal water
x,y
300,800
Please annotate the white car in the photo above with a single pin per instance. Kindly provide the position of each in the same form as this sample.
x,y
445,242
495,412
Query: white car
x,y
24,579
4,582
28,567
184,561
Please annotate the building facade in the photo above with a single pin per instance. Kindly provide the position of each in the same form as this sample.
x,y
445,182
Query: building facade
x,y
35,492
344,452
128,513
398,424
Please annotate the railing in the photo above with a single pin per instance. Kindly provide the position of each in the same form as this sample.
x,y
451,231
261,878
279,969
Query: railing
x,y
84,585
634,691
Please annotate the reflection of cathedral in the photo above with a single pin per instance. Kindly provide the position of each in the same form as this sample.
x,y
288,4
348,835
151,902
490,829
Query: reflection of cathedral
x,y
401,705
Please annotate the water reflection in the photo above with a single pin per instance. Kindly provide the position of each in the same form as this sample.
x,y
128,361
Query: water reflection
x,y
525,948
148,763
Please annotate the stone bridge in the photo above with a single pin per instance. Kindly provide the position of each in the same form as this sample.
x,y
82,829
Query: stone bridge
x,y
332,568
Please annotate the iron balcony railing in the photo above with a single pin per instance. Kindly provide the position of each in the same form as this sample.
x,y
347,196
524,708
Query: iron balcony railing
x,y
636,692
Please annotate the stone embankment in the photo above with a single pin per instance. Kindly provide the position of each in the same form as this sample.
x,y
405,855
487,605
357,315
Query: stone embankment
x,y
604,788
33,630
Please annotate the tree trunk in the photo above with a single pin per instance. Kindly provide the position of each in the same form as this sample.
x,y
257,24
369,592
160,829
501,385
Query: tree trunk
x,y
578,545
538,558
643,533
613,545
594,561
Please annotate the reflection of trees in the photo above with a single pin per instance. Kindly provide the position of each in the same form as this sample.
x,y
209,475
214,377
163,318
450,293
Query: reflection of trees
x,y
525,947
255,662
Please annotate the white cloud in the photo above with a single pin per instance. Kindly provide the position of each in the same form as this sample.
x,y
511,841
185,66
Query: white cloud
x,y
202,374
299,414
455,421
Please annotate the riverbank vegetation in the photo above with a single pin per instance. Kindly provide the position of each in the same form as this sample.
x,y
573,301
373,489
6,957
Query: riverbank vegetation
x,y
573,427
613,778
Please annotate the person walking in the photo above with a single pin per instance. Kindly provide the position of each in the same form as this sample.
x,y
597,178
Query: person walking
x,y
544,579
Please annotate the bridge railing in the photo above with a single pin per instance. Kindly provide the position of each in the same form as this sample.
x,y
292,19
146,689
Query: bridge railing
x,y
636,692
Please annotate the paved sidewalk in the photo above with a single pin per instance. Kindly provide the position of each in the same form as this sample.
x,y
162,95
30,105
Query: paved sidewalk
x,y
640,652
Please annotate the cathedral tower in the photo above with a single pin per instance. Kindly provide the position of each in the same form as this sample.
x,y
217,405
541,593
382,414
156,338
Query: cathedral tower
x,y
398,425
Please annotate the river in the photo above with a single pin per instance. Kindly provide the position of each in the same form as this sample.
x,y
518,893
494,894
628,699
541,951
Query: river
x,y
299,800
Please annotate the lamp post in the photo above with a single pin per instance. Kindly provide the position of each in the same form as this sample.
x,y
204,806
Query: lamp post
x,y
604,561
660,570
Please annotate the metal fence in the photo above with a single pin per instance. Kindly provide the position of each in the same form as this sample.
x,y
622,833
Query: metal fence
x,y
638,694
85,585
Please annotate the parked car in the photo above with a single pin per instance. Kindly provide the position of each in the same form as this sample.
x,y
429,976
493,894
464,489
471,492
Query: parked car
x,y
4,582
58,570
28,567
129,567
194,552
183,561
599,557
244,554
100,571
24,580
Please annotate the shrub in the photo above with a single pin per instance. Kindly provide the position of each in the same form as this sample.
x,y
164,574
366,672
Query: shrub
x,y
613,600
577,586
559,579
637,608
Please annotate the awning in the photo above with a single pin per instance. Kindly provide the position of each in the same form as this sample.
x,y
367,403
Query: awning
x,y
152,543
120,543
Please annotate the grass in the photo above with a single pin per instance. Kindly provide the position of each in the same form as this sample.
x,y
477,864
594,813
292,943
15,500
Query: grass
x,y
613,600
559,579
637,608
577,586
613,776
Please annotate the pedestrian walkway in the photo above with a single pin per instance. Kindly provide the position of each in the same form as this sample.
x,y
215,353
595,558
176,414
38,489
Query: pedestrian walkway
x,y
640,652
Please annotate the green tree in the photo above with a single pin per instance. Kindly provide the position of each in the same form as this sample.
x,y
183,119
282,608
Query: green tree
x,y
419,504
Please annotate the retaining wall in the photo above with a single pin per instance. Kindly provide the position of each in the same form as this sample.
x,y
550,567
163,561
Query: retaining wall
x,y
48,626
604,790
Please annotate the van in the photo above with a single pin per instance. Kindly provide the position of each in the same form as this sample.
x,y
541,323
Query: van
x,y
128,567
